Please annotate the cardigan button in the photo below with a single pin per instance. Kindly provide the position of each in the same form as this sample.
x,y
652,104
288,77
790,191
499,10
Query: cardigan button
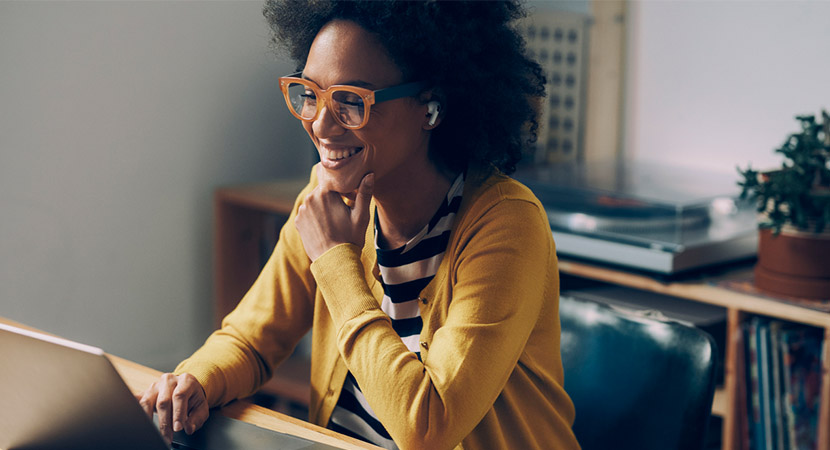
x,y
425,345
423,300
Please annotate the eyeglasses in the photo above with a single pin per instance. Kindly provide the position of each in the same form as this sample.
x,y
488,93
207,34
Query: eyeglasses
x,y
349,105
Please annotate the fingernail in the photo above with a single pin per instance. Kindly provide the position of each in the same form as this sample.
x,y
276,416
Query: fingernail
x,y
177,426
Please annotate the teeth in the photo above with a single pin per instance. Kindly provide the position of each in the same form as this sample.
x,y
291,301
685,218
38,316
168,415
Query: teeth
x,y
341,154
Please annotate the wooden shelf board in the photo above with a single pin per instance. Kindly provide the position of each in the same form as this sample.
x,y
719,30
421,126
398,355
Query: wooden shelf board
x,y
275,196
700,291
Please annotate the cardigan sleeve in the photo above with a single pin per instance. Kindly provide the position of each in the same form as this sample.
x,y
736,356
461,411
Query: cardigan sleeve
x,y
499,266
265,326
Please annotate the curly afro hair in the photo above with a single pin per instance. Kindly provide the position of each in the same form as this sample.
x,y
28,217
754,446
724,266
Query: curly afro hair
x,y
470,51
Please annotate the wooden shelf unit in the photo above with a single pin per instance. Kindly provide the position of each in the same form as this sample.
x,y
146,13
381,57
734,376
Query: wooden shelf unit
x,y
239,211
239,225
738,307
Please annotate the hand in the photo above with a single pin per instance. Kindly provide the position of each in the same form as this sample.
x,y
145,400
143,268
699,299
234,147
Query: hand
x,y
325,221
180,401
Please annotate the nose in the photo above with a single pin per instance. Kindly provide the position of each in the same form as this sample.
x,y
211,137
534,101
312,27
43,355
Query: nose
x,y
325,125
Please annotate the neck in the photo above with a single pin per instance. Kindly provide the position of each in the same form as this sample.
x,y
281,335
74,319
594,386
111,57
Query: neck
x,y
406,203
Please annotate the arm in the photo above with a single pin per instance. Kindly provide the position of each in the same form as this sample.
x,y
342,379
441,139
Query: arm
x,y
236,359
498,268
263,329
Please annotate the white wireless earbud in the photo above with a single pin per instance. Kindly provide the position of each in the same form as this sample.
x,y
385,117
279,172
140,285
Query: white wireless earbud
x,y
433,109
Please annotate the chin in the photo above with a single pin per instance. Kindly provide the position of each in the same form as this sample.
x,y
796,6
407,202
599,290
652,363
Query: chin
x,y
339,183
345,180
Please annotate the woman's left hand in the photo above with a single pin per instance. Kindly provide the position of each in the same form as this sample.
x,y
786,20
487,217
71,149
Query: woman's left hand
x,y
324,220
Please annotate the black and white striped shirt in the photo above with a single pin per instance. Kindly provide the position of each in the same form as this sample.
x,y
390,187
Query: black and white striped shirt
x,y
405,271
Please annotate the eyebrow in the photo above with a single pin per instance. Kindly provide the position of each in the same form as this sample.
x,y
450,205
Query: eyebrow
x,y
357,83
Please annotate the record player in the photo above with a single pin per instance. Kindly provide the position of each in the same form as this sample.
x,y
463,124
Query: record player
x,y
647,216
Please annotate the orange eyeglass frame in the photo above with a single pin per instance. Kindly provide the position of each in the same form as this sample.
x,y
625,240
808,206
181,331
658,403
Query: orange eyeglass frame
x,y
369,97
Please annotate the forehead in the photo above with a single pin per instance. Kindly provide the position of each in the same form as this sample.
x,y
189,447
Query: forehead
x,y
344,52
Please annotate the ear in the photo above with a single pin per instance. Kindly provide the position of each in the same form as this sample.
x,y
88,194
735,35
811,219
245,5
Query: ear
x,y
434,108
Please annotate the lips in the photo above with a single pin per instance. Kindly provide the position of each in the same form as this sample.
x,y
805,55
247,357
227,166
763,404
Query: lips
x,y
339,153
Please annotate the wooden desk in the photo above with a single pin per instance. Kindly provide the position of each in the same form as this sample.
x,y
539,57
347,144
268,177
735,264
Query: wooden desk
x,y
139,377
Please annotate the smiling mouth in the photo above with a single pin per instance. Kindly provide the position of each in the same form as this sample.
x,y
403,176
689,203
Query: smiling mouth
x,y
337,155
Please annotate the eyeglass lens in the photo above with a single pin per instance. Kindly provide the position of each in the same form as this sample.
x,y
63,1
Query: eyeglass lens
x,y
347,106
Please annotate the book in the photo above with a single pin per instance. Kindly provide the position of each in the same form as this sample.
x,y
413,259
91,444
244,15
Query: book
x,y
801,350
778,416
787,362
765,390
754,406
742,374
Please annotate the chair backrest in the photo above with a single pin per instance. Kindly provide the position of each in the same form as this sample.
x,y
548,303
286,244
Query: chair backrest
x,y
636,382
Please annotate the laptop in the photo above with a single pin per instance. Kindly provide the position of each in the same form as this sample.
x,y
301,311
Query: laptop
x,y
59,394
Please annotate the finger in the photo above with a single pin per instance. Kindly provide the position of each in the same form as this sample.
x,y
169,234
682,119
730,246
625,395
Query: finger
x,y
147,399
198,416
360,212
367,185
311,199
164,405
199,411
181,396
306,201
365,188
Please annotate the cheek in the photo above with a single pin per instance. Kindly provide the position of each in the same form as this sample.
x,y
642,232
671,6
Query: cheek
x,y
373,144
307,128
393,143
390,136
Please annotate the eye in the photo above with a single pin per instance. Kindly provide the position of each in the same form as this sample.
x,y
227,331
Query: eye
x,y
350,99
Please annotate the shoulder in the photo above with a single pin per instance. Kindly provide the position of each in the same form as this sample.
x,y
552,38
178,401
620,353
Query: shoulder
x,y
497,208
488,188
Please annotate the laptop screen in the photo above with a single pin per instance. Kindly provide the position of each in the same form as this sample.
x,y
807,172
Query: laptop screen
x,y
59,394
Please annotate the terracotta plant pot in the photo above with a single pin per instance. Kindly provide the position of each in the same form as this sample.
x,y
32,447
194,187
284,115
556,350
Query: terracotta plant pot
x,y
794,263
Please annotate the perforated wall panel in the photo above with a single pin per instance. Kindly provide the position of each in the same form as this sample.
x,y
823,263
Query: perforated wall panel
x,y
557,40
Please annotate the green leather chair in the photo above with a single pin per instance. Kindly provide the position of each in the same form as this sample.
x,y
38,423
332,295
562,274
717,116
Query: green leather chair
x,y
636,382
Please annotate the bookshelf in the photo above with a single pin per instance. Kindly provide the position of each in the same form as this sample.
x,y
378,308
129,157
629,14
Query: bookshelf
x,y
739,307
240,222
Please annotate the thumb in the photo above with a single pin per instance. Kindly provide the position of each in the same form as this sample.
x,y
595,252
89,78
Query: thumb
x,y
364,197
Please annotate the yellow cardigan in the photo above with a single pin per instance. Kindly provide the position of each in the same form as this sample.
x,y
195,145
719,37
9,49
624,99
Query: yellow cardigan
x,y
490,375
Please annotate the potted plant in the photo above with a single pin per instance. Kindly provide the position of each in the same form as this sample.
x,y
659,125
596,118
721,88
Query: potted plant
x,y
794,202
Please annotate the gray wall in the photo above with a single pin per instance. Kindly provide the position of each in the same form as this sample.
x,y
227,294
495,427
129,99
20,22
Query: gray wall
x,y
117,120
717,84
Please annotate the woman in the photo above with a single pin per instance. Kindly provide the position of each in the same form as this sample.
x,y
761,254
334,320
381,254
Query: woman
x,y
429,276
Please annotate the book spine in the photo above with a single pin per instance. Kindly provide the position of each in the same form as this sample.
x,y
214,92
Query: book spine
x,y
812,385
804,367
765,388
742,374
789,394
754,397
775,365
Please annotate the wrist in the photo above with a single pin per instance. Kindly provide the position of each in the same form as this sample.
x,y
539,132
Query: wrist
x,y
341,278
